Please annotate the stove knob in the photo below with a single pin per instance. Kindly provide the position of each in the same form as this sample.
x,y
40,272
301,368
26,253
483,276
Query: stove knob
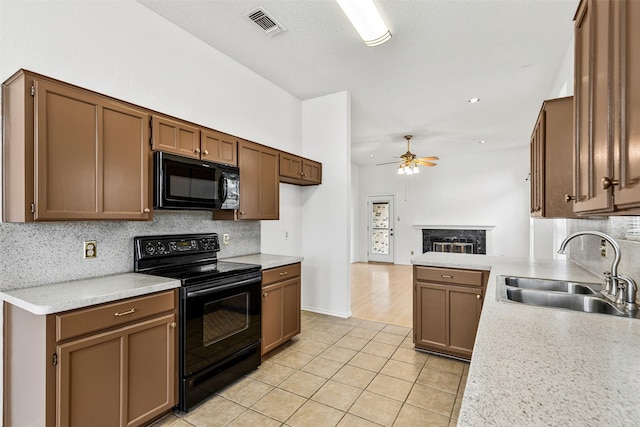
x,y
205,243
161,247
150,248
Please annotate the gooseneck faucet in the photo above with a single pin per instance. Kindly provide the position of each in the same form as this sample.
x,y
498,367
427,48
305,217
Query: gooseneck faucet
x,y
616,260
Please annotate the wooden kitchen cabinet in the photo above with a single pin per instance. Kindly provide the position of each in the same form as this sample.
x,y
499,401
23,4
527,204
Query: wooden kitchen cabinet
x,y
552,160
106,365
175,136
72,154
259,184
299,171
607,100
218,147
280,305
446,309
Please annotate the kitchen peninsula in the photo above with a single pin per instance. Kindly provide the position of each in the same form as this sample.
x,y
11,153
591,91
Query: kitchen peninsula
x,y
538,365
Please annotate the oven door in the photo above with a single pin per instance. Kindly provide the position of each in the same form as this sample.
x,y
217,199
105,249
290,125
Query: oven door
x,y
219,319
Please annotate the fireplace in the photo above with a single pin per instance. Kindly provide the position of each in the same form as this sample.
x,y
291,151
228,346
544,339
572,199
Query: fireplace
x,y
461,241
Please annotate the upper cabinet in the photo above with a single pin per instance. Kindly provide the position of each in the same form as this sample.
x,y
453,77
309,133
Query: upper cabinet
x,y
259,186
298,170
551,160
72,154
185,139
175,136
218,147
607,100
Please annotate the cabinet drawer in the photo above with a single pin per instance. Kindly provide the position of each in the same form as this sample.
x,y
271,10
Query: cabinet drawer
x,y
280,273
450,275
84,321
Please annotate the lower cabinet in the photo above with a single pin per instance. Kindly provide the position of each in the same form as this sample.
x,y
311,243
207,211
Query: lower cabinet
x,y
280,305
447,304
107,365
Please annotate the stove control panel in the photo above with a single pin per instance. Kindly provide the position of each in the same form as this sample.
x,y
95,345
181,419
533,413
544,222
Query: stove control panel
x,y
157,246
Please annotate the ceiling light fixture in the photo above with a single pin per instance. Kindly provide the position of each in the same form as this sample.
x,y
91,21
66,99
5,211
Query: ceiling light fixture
x,y
366,19
474,100
482,141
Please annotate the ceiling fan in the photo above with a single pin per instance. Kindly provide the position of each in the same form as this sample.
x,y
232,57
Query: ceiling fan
x,y
409,162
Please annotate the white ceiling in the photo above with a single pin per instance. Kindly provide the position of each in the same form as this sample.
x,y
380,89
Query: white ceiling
x,y
443,52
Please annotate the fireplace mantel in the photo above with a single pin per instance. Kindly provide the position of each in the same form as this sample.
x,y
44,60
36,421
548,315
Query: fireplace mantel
x,y
455,227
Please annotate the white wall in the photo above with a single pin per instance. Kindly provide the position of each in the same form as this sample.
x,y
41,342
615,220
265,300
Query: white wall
x,y
486,188
326,208
355,211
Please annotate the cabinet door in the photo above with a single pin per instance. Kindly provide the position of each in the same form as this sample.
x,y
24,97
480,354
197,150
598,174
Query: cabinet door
x,y
66,151
219,147
151,368
175,137
126,157
271,317
311,171
290,166
593,139
124,377
430,315
259,183
464,305
290,308
626,99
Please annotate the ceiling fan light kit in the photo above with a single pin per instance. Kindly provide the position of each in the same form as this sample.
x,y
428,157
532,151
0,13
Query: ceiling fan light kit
x,y
366,19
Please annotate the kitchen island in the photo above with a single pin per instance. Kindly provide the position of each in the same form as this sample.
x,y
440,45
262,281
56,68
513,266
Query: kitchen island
x,y
546,366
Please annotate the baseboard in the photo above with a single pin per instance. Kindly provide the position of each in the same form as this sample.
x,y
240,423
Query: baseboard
x,y
327,312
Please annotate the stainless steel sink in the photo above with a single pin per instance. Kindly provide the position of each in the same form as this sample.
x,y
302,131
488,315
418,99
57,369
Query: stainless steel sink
x,y
576,296
576,302
553,285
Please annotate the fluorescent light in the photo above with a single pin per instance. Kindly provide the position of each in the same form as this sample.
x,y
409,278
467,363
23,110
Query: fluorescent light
x,y
366,19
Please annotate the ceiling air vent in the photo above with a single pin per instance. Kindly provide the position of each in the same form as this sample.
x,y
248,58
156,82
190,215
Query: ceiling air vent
x,y
266,22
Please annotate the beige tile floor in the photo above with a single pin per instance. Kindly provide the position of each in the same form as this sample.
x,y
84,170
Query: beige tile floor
x,y
339,372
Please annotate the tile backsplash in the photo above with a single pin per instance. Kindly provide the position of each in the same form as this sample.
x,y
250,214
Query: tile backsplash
x,y
48,252
589,256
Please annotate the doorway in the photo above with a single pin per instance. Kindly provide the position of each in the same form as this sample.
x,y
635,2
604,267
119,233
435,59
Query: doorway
x,y
380,229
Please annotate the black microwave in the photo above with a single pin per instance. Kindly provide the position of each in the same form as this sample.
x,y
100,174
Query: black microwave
x,y
184,183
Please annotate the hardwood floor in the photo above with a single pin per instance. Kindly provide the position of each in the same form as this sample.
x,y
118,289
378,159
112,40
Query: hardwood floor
x,y
382,293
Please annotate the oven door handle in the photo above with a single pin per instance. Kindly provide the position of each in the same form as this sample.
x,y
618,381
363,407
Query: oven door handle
x,y
220,288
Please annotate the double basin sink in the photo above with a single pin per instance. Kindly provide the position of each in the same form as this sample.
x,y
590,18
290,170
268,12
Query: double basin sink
x,y
576,296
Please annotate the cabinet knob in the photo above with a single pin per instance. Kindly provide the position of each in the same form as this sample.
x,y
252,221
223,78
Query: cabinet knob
x,y
569,197
173,325
241,212
146,210
478,297
265,294
607,183
206,151
197,150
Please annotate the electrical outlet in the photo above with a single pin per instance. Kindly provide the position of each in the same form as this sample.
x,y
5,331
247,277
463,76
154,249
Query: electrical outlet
x,y
411,252
603,248
286,235
225,239
90,249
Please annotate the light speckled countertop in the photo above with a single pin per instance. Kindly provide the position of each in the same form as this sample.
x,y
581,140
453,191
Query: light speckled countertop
x,y
266,260
546,366
64,296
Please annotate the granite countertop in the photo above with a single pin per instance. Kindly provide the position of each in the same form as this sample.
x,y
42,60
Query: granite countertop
x,y
266,260
64,296
545,366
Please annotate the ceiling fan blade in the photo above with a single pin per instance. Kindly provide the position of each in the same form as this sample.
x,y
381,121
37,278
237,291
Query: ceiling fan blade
x,y
388,163
421,162
429,158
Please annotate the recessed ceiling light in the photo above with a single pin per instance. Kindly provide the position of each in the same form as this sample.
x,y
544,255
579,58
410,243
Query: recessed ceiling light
x,y
371,155
474,100
482,141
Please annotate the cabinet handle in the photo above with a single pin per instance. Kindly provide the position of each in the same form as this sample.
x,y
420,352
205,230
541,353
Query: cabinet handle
x,y
283,274
206,151
446,276
607,183
569,197
265,294
146,210
124,313
197,150
173,325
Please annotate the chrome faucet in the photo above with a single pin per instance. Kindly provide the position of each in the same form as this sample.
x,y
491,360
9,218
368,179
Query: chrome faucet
x,y
627,293
611,278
